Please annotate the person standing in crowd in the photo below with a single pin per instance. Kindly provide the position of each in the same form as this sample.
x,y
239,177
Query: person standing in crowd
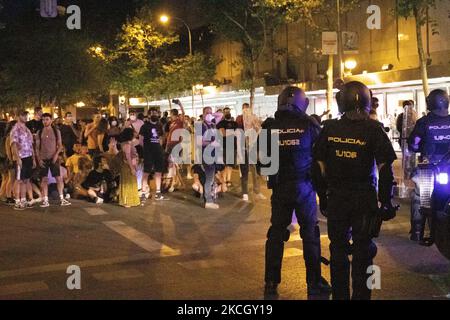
x,y
346,156
164,119
69,134
93,136
36,123
134,123
176,122
248,121
399,121
21,140
227,129
113,130
48,147
208,139
150,139
128,188
423,140
293,191
9,164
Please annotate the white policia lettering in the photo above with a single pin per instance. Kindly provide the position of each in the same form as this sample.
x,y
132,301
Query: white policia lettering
x,y
347,140
443,127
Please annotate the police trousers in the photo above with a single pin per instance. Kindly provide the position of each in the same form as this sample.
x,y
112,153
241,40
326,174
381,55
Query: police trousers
x,y
349,215
287,198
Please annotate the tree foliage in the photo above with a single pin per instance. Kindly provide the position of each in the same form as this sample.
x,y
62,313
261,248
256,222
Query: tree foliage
x,y
43,62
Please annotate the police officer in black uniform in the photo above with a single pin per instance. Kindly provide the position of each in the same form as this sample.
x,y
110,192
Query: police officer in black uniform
x,y
347,154
431,138
293,191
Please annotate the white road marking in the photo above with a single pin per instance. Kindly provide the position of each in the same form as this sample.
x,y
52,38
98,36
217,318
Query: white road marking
x,y
82,264
93,211
141,239
441,282
118,275
26,287
203,264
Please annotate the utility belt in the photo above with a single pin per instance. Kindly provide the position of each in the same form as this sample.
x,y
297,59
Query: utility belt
x,y
274,180
352,186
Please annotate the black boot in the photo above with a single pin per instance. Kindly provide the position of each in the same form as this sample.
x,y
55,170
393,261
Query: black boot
x,y
321,288
271,289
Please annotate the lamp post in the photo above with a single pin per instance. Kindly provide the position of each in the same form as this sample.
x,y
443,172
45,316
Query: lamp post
x,y
165,19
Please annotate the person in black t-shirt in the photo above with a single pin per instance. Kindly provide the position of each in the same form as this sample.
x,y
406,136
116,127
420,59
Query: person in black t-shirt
x,y
99,182
36,124
150,138
227,128
69,134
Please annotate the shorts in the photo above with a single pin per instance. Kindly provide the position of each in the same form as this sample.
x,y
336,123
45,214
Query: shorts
x,y
26,171
53,167
153,160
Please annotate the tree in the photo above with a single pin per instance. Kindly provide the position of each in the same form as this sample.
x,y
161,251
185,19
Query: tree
x,y
248,23
419,10
182,74
138,55
42,62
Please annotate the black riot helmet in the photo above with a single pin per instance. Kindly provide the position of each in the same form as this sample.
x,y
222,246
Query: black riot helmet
x,y
354,96
437,100
293,99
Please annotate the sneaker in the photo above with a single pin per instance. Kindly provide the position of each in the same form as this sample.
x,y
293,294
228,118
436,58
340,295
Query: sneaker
x,y
10,202
245,197
67,196
30,204
159,197
98,200
45,204
260,196
211,205
38,200
20,206
65,203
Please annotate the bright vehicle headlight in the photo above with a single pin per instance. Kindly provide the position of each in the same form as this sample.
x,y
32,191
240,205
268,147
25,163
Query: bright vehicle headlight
x,y
442,178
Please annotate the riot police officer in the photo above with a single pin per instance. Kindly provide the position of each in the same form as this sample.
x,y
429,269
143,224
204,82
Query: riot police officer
x,y
292,190
431,138
344,172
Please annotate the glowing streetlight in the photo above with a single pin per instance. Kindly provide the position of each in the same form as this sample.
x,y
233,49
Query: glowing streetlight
x,y
164,18
350,64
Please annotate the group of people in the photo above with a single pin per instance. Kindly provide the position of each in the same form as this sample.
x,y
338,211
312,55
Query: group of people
x,y
109,159
347,163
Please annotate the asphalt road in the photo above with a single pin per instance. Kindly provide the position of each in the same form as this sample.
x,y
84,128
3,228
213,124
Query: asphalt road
x,y
175,249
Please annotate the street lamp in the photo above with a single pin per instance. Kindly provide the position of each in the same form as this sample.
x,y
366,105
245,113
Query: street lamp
x,y
350,64
165,19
